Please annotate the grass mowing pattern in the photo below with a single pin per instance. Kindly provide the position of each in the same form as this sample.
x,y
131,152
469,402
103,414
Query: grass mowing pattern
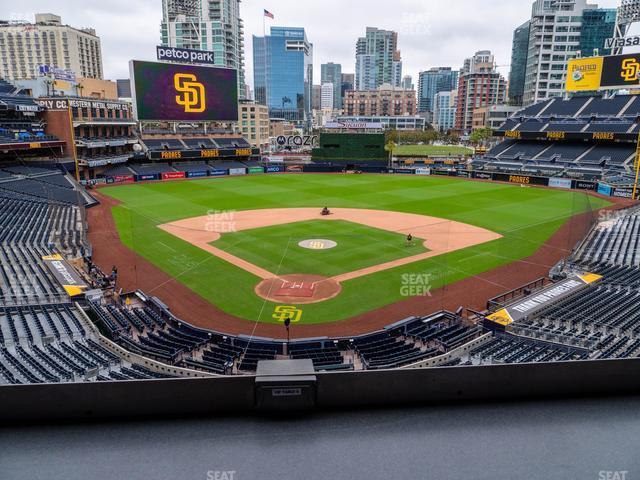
x,y
359,246
526,217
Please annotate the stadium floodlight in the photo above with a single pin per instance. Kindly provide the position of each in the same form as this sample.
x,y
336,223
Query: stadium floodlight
x,y
629,12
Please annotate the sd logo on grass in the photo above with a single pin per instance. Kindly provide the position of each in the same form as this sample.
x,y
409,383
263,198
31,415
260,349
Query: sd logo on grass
x,y
282,312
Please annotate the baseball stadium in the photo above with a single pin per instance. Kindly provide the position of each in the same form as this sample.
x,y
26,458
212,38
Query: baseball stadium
x,y
149,250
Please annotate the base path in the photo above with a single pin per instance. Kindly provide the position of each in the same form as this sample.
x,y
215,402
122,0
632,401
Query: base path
x,y
134,272
440,235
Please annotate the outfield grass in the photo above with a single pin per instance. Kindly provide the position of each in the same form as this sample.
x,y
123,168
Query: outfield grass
x,y
276,248
431,150
526,217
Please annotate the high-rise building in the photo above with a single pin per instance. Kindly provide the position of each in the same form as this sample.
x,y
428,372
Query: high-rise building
x,y
444,111
555,36
283,73
432,82
385,101
480,85
407,83
347,83
316,97
214,26
332,73
326,96
25,47
519,52
597,25
378,60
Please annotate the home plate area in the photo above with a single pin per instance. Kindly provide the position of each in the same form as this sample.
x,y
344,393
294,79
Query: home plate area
x,y
298,289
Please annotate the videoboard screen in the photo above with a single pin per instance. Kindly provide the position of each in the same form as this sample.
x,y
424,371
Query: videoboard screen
x,y
178,92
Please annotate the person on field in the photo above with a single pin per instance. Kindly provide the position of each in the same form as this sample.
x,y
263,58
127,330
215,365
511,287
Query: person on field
x,y
409,240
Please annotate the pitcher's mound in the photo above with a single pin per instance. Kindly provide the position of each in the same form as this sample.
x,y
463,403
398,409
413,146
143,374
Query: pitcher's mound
x,y
298,289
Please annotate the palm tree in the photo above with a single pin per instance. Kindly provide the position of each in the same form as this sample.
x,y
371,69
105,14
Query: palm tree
x,y
390,147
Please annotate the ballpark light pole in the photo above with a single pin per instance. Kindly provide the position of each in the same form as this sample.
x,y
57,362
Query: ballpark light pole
x,y
637,169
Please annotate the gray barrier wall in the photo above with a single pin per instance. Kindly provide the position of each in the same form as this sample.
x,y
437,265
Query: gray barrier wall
x,y
225,395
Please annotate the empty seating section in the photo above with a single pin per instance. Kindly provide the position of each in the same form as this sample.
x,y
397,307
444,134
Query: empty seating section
x,y
325,356
566,126
532,125
561,152
601,158
152,168
611,106
513,349
48,343
524,150
231,142
613,242
565,108
610,126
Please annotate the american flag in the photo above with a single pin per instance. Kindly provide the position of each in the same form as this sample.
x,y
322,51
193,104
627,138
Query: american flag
x,y
267,13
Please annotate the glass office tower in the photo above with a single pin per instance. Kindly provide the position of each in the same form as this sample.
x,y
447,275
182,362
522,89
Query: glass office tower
x,y
283,73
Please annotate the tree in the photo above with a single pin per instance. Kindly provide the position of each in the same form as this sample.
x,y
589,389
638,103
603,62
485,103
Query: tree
x,y
479,135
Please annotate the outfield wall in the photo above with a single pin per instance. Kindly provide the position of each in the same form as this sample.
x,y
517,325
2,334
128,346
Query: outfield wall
x,y
519,179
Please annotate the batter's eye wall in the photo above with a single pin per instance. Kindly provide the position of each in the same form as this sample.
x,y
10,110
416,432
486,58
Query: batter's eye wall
x,y
351,146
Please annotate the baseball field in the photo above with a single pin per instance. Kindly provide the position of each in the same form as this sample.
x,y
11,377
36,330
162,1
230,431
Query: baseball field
x,y
240,242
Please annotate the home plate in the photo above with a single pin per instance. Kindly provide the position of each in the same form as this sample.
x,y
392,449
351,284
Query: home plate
x,y
296,289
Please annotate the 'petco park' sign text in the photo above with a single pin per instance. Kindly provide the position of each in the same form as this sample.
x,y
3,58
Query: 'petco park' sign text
x,y
185,55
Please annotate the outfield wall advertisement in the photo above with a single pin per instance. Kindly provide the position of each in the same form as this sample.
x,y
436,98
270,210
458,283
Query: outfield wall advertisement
x,y
179,92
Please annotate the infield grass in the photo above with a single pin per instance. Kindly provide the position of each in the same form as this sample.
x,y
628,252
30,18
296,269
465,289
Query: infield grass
x,y
276,248
526,217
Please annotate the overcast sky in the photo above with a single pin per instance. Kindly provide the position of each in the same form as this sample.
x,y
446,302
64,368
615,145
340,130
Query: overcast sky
x,y
431,32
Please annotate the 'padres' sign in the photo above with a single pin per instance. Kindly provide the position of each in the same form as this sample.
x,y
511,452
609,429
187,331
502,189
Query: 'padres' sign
x,y
192,96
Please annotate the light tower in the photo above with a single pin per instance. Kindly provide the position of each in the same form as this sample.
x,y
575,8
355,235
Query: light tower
x,y
628,14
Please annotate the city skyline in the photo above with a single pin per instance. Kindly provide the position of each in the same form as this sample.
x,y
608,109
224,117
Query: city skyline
x,y
425,36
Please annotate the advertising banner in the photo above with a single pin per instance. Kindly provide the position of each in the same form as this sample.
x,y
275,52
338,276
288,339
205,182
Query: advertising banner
x,y
623,192
256,170
521,179
423,171
275,168
604,189
584,74
237,171
560,183
545,297
145,177
601,73
122,179
179,92
584,185
198,174
65,274
294,168
464,173
172,175
218,172
404,171
482,175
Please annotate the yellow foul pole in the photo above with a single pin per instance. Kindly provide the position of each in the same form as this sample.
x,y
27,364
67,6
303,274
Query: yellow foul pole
x,y
637,169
